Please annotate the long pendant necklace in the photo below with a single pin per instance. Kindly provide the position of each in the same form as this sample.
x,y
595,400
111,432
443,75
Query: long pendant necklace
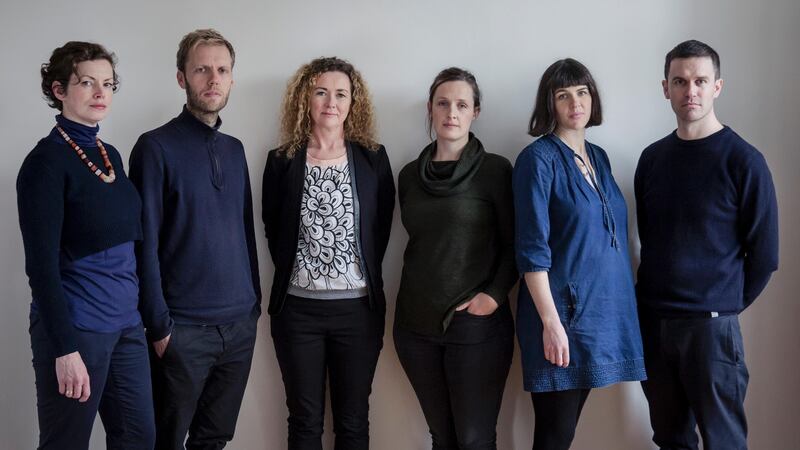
x,y
95,170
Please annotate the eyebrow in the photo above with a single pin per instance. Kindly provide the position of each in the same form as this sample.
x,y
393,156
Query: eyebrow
x,y
317,88
93,78
458,99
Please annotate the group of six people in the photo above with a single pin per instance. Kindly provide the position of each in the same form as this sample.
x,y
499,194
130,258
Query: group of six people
x,y
146,289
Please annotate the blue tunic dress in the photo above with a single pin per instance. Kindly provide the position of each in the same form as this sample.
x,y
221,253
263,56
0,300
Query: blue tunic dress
x,y
579,235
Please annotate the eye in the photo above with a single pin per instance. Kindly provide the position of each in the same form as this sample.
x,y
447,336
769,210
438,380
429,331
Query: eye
x,y
583,92
223,70
109,85
463,106
341,95
442,103
561,96
86,83
199,69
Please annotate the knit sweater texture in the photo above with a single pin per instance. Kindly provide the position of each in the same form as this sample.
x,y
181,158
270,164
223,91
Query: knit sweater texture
x,y
65,209
708,224
197,261
460,221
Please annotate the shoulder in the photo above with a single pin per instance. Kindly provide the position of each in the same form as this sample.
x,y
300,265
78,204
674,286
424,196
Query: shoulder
x,y
495,163
230,141
542,148
743,156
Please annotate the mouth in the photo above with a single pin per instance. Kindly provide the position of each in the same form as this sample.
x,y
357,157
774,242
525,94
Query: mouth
x,y
577,115
212,94
451,125
98,107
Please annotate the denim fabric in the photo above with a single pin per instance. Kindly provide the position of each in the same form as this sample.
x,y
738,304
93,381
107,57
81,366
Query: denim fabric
x,y
579,235
119,376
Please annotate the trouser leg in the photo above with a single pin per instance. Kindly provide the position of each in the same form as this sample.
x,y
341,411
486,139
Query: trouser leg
x,y
214,420
670,413
556,417
298,334
126,407
178,379
422,358
714,374
65,423
477,358
354,342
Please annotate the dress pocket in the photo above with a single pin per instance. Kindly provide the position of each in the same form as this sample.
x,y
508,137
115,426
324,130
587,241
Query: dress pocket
x,y
573,304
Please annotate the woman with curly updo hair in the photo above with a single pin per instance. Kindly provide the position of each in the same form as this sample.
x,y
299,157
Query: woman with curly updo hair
x,y
80,216
328,198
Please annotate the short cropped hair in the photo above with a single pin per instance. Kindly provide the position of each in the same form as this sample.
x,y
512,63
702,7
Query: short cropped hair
x,y
692,49
453,74
562,74
206,36
64,62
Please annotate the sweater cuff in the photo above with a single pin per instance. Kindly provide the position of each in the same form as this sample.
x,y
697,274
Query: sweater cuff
x,y
156,333
499,295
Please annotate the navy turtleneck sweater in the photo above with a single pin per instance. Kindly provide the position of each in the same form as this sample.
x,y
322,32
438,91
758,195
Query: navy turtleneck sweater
x,y
197,261
77,232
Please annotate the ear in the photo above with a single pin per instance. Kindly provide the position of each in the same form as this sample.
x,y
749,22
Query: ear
x,y
58,90
718,87
429,107
477,113
181,79
665,86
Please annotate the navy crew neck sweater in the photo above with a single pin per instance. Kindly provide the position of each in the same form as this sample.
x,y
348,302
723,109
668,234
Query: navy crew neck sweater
x,y
65,210
708,224
197,260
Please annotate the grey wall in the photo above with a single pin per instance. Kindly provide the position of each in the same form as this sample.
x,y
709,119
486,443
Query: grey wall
x,y
399,47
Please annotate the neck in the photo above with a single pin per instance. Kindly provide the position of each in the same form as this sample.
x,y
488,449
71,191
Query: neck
x,y
575,139
70,116
208,118
327,140
447,150
698,129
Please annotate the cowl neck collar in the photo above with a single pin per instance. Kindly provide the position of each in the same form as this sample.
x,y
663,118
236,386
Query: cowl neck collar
x,y
465,169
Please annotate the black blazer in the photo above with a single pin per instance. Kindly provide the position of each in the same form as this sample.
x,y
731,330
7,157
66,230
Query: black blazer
x,y
282,192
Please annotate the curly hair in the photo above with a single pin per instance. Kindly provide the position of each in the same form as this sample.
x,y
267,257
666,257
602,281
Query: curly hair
x,y
64,62
359,126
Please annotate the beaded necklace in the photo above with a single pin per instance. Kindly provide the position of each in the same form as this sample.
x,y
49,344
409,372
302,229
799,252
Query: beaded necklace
x,y
95,170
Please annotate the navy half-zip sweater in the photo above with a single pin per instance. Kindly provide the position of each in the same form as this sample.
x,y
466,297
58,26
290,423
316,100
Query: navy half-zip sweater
x,y
197,261
67,212
708,224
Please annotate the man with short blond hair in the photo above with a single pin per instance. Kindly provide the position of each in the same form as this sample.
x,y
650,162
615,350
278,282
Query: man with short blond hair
x,y
198,269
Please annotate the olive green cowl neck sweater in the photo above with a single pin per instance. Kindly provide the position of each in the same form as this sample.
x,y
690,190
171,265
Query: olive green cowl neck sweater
x,y
460,221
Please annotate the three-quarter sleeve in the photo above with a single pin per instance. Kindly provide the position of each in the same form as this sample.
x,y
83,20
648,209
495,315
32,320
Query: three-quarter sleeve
x,y
532,184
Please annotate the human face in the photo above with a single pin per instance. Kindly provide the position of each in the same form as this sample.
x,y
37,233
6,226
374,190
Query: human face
x,y
452,111
207,78
330,100
573,107
691,88
87,97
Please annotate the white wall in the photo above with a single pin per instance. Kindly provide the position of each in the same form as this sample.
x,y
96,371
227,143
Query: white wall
x,y
399,47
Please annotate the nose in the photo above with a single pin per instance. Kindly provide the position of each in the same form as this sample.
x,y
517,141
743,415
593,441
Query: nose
x,y
99,91
453,111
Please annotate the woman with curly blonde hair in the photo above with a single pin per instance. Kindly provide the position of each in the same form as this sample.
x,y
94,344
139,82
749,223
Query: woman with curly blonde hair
x,y
328,199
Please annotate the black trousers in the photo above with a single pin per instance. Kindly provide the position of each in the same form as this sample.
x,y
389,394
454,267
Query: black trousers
x,y
335,339
120,384
556,417
459,377
199,382
696,375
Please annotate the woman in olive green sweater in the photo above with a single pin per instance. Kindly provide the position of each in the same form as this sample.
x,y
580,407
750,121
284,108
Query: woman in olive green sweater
x,y
453,329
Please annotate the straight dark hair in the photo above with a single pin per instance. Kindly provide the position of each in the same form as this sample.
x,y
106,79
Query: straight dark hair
x,y
562,74
692,49
453,74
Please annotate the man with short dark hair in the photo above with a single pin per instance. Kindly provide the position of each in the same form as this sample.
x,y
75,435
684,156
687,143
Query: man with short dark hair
x,y
200,291
708,224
